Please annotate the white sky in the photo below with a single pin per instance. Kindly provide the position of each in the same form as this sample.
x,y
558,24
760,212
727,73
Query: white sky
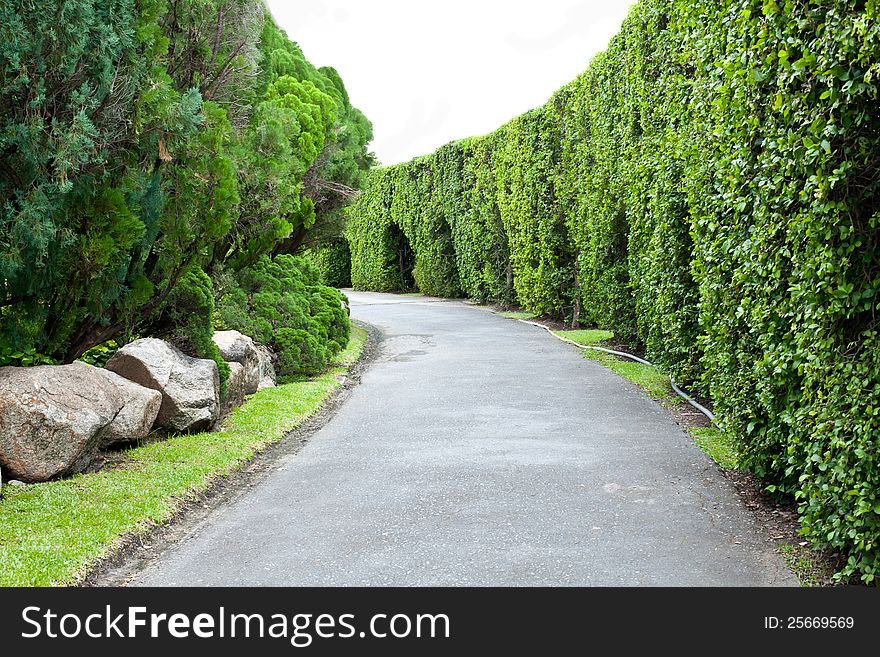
x,y
426,73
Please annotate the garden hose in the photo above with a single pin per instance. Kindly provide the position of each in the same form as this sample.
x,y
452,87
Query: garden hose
x,y
705,411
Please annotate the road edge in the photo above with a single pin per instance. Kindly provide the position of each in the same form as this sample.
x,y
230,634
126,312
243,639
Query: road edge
x,y
135,551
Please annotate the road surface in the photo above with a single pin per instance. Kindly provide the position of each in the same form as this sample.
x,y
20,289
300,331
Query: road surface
x,y
481,451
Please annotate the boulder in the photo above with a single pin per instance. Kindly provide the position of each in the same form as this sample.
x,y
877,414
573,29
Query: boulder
x,y
138,414
238,348
237,385
235,347
53,418
267,369
190,387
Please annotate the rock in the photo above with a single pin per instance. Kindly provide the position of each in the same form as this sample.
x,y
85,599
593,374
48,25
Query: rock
x,y
236,385
139,413
238,348
235,347
190,387
53,418
267,369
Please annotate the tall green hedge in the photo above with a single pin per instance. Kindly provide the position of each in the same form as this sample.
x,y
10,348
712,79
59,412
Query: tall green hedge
x,y
708,189
333,260
374,252
481,247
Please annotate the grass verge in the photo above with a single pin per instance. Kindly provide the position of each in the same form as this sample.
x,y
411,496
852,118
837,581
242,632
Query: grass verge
x,y
811,567
586,336
711,440
717,445
51,533
517,314
652,380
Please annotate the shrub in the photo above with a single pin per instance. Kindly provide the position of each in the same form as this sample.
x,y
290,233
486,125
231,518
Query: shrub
x,y
402,241
375,253
281,303
139,140
98,355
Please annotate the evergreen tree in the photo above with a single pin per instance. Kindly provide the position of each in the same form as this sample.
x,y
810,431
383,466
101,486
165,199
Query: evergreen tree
x,y
143,142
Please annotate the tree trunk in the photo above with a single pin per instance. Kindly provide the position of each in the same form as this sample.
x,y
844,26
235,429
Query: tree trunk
x,y
88,337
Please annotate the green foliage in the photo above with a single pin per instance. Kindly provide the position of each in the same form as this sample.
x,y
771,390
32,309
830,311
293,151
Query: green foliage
x,y
287,130
281,303
540,256
480,241
787,258
98,355
410,238
142,141
377,252
335,143
707,189
112,180
214,47
333,260
24,358
70,114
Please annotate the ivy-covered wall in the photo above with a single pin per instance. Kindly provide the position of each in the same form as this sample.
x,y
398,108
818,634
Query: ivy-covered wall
x,y
708,189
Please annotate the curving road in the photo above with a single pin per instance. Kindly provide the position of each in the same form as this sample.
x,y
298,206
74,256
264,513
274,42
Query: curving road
x,y
480,451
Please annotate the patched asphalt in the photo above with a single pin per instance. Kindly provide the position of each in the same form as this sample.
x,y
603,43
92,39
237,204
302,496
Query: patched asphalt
x,y
482,451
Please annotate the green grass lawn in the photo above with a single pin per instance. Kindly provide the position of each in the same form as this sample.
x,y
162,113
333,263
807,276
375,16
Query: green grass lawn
x,y
51,533
718,445
655,382
517,314
652,380
586,336
711,440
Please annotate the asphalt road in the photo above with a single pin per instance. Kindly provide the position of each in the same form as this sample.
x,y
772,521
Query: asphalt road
x,y
481,451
